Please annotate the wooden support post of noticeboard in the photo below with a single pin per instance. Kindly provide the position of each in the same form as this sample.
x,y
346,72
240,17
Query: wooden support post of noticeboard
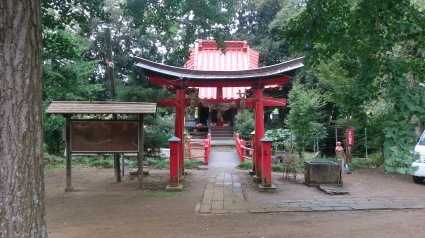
x,y
68,187
140,154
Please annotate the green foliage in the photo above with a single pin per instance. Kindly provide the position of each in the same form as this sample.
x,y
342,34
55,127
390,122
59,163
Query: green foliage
x,y
162,194
158,163
245,124
245,165
102,163
53,161
158,130
137,93
304,116
179,23
282,138
369,56
277,168
65,78
192,164
254,23
62,14
374,161
248,165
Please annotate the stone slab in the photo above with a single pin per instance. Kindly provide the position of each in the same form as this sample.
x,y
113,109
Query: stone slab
x,y
174,189
271,188
334,190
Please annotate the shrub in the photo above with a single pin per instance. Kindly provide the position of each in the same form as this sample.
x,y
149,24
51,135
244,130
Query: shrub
x,y
102,163
374,161
282,138
245,124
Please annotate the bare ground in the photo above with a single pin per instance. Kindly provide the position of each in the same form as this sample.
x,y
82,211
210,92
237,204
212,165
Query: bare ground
x,y
101,207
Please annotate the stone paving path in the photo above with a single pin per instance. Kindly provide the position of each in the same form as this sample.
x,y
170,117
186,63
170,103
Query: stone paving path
x,y
223,195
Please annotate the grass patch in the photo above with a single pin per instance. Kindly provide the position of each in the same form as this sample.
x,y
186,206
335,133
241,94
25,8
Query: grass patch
x,y
102,163
53,161
277,168
162,194
245,165
158,163
191,164
248,165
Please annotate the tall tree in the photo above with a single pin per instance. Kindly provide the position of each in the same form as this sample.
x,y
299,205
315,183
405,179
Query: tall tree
x,y
375,48
22,209
305,115
179,23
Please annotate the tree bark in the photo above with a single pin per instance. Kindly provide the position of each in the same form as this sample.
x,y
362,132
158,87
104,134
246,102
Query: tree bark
x,y
22,209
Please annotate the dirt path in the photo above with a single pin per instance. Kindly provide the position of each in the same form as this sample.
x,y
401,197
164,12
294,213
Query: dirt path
x,y
102,208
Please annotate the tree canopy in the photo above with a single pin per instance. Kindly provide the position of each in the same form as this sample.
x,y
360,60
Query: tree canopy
x,y
366,58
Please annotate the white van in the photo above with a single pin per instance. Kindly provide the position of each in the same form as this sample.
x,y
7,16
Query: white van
x,y
419,175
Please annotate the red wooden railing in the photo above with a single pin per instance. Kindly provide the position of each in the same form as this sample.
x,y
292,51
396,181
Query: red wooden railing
x,y
241,148
196,144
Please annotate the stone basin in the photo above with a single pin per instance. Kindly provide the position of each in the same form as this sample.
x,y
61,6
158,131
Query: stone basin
x,y
316,173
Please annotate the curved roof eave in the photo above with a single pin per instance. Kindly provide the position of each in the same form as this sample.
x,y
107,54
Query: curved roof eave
x,y
285,69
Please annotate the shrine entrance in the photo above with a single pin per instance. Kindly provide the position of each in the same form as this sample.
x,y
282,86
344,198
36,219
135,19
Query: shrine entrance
x,y
216,84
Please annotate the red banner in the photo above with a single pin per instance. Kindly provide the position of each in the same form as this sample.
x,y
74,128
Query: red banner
x,y
349,137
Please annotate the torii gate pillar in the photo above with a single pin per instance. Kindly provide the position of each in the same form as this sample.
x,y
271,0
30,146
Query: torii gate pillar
x,y
259,131
179,126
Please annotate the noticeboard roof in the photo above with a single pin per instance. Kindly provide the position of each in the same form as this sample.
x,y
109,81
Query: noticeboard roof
x,y
80,107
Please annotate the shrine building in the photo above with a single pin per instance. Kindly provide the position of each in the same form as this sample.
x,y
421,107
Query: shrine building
x,y
214,85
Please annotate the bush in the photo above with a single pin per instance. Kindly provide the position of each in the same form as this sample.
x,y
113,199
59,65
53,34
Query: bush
x,y
245,124
282,138
102,163
374,161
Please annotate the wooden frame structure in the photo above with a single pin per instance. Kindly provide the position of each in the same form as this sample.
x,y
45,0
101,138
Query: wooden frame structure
x,y
68,109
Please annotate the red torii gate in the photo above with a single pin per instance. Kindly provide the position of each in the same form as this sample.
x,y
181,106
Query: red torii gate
x,y
224,79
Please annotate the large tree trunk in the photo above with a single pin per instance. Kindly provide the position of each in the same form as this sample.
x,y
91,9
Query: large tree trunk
x,y
22,209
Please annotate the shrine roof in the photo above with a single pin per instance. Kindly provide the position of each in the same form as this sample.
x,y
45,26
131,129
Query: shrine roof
x,y
175,76
80,107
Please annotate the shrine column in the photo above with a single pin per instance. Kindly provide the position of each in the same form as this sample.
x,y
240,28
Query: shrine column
x,y
259,130
179,125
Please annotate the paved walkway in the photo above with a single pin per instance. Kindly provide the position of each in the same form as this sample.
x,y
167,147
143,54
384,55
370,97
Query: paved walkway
x,y
223,195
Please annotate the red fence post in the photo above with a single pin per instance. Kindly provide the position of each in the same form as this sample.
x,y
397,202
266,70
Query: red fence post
x,y
237,144
206,154
254,156
174,165
242,151
266,155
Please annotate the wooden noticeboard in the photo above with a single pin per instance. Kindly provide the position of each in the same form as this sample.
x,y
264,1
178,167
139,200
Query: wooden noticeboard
x,y
104,136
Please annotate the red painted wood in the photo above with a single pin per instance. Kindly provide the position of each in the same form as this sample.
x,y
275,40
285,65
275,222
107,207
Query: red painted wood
x,y
179,125
249,102
259,128
174,163
266,175
251,82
